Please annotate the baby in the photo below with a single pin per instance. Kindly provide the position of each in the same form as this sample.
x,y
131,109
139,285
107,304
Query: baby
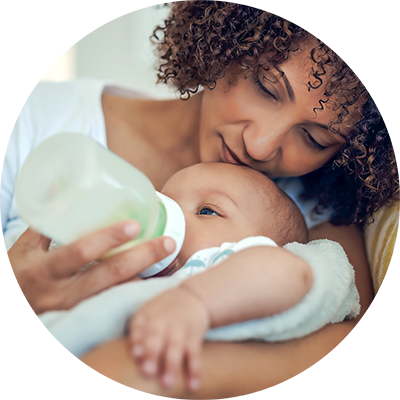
x,y
221,203
227,203
235,216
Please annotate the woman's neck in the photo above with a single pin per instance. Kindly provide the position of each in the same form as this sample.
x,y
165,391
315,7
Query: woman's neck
x,y
170,124
159,137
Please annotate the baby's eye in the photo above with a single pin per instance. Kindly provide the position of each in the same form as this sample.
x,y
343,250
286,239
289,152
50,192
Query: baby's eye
x,y
207,211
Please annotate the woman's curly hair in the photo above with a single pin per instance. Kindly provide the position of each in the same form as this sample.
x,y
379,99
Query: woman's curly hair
x,y
200,39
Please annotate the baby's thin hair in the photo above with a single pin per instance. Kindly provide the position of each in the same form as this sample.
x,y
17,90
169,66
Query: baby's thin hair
x,y
289,223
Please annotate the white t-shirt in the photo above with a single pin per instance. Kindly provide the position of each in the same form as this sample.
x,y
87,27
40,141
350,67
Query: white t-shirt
x,y
206,258
29,114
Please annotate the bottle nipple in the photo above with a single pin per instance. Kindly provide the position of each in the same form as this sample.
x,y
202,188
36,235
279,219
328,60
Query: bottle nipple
x,y
174,228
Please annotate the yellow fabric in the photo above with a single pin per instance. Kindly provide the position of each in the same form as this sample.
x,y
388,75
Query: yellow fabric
x,y
383,249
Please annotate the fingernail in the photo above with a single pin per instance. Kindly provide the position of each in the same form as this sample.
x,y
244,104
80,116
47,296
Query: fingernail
x,y
138,350
168,379
194,384
131,229
149,367
169,244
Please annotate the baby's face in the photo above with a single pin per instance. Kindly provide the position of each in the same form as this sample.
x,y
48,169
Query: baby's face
x,y
221,203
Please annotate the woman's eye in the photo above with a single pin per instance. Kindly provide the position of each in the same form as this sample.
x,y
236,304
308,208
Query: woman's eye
x,y
264,89
207,211
312,142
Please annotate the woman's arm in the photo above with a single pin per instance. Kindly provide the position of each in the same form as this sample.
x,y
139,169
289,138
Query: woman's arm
x,y
232,369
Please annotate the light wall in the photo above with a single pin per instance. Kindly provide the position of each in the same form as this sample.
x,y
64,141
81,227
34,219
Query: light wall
x,y
65,39
112,40
36,40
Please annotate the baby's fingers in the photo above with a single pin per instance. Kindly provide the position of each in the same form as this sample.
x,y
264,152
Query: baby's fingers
x,y
173,358
154,342
193,364
136,335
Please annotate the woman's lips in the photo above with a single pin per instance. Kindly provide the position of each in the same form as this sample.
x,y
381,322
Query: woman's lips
x,y
229,156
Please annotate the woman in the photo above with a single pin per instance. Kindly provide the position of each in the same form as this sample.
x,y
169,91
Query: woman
x,y
275,99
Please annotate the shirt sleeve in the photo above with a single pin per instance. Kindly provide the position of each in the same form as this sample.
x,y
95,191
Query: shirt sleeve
x,y
8,155
206,258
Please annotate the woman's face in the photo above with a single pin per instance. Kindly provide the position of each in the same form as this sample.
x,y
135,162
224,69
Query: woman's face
x,y
267,122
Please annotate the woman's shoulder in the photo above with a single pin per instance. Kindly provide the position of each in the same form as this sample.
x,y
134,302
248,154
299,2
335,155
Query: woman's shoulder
x,y
38,98
69,85
71,106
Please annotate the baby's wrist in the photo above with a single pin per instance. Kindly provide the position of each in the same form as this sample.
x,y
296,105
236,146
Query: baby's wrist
x,y
199,300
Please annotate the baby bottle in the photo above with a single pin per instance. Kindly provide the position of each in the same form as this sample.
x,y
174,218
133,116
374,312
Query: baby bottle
x,y
70,186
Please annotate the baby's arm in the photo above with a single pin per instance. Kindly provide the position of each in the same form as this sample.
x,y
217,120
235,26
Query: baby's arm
x,y
169,329
268,287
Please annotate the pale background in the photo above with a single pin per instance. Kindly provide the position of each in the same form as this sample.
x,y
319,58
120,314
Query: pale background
x,y
66,39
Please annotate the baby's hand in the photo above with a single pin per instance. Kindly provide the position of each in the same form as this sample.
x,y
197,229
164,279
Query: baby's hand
x,y
166,333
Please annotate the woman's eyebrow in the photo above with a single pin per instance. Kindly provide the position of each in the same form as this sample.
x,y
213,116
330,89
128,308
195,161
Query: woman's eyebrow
x,y
292,98
289,88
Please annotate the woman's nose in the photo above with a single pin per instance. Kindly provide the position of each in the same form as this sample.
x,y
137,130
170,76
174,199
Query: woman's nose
x,y
264,143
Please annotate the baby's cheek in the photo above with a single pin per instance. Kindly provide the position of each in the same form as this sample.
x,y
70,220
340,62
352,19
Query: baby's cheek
x,y
190,244
203,232
199,235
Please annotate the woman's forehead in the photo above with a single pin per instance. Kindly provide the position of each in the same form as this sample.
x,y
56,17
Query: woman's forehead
x,y
297,75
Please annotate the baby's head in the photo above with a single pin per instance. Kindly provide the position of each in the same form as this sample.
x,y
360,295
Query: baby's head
x,y
227,203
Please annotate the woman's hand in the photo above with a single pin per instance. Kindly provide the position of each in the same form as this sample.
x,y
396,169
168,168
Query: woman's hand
x,y
54,280
166,336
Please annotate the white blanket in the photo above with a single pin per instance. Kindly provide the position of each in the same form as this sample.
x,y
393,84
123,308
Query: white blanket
x,y
332,298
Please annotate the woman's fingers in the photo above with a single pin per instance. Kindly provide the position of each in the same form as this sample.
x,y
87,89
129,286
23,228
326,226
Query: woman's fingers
x,y
54,279
124,266
31,240
68,259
